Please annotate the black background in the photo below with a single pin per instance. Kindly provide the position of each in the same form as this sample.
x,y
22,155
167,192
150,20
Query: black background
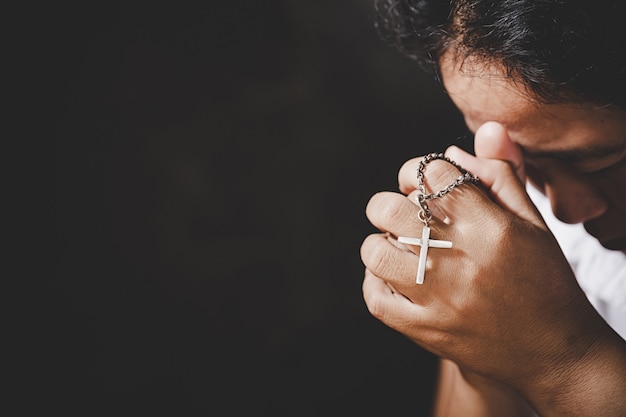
x,y
203,170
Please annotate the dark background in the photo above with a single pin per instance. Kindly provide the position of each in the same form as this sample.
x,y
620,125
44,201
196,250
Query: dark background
x,y
203,170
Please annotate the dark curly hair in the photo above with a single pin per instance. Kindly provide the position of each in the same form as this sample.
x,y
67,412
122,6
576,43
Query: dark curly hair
x,y
561,50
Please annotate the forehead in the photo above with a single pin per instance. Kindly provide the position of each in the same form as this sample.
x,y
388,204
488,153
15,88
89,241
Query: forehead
x,y
483,92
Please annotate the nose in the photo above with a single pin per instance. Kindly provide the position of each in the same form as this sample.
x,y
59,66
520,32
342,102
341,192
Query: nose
x,y
572,195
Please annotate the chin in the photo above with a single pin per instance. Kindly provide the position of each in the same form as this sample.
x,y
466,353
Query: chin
x,y
614,244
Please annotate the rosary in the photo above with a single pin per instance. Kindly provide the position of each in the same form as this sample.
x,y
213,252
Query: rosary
x,y
425,215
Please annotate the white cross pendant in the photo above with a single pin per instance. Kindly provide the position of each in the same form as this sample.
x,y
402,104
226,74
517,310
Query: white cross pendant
x,y
425,242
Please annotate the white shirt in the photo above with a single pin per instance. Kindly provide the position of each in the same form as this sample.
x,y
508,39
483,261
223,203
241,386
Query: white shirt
x,y
600,272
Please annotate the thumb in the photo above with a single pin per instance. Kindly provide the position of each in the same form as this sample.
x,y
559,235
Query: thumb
x,y
503,182
492,141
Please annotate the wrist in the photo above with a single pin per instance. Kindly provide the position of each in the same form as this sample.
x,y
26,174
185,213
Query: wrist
x,y
591,385
463,393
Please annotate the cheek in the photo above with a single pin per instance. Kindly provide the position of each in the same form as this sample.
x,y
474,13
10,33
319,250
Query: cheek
x,y
535,176
612,184
574,197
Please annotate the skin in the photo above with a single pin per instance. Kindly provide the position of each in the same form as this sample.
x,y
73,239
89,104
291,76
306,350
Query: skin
x,y
502,308
575,153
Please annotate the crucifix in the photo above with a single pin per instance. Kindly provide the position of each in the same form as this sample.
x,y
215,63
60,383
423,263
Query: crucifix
x,y
425,215
425,242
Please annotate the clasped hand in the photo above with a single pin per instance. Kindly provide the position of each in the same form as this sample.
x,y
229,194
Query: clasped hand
x,y
502,302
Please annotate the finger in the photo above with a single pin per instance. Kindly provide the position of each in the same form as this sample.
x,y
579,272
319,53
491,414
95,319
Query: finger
x,y
394,213
407,176
437,211
408,180
390,307
397,215
389,260
492,141
504,185
439,175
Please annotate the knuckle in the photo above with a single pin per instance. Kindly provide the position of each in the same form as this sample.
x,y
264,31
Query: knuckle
x,y
392,211
375,306
439,174
503,235
383,207
501,165
437,337
380,259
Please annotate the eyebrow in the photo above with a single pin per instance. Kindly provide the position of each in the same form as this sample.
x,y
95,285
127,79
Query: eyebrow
x,y
574,155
